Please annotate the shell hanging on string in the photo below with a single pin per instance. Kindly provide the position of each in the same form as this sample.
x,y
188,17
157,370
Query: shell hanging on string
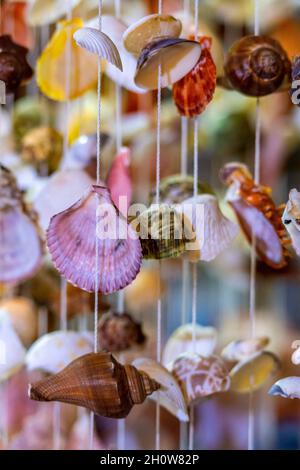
x,y
296,354
54,351
43,148
118,332
12,351
291,219
14,68
257,215
98,43
241,349
212,231
257,66
162,232
20,243
45,12
175,189
119,181
252,373
71,239
23,315
195,90
61,191
200,377
188,338
149,29
288,387
177,58
97,382
53,78
169,396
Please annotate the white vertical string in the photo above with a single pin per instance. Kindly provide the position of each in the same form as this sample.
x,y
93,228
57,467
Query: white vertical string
x,y
252,293
184,138
96,303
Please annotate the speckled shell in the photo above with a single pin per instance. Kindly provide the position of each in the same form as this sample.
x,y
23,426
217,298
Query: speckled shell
x,y
118,332
175,189
54,351
169,395
71,239
242,349
181,341
97,382
257,65
252,373
12,351
257,213
291,219
195,90
288,387
200,377
42,145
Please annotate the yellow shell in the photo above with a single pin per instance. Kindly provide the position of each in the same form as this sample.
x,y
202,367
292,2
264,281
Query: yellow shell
x,y
52,65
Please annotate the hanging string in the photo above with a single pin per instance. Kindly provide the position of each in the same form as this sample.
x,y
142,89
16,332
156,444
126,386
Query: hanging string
x,y
184,138
252,293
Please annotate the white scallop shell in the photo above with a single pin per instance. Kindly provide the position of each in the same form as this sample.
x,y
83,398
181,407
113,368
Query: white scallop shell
x,y
169,395
290,217
54,351
12,351
214,232
99,43
242,349
181,342
289,387
61,191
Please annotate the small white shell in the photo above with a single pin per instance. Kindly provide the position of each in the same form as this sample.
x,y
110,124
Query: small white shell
x,y
170,395
181,342
54,351
242,349
214,232
296,353
289,387
61,191
99,43
12,351
291,219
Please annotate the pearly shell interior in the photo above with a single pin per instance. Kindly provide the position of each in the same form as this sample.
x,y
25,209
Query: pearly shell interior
x,y
288,387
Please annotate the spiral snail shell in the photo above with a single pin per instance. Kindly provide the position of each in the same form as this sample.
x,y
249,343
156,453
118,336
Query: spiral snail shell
x,y
98,382
257,65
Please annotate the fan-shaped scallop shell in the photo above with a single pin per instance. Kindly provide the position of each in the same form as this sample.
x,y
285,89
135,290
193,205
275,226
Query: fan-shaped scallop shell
x,y
181,341
289,387
71,238
169,395
12,351
54,351
99,43
242,349
200,377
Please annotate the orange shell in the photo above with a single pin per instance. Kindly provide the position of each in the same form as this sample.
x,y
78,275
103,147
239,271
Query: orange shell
x,y
195,90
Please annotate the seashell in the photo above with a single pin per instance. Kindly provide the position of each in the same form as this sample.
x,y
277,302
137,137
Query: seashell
x,y
98,43
61,191
119,181
161,231
176,56
118,332
12,351
71,242
97,382
289,387
52,75
148,29
181,342
23,315
14,68
169,395
44,12
195,90
257,65
20,244
296,353
175,189
242,349
212,231
144,292
115,29
42,145
295,77
54,351
252,373
257,214
200,377
291,219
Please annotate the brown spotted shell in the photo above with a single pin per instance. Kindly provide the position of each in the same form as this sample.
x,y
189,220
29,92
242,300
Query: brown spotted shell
x,y
118,332
14,68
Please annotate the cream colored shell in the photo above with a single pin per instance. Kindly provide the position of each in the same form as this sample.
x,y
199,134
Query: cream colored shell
x,y
12,351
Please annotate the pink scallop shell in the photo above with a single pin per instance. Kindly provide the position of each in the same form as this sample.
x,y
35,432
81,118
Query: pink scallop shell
x,y
71,239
